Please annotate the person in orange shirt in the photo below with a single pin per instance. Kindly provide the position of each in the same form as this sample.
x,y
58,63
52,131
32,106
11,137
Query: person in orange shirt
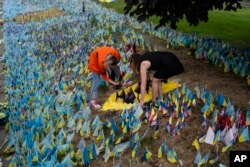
x,y
101,61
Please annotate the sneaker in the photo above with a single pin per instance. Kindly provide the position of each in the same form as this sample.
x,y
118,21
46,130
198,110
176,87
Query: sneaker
x,y
95,105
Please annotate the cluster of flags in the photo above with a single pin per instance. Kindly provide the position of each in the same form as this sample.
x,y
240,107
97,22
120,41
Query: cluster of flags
x,y
226,124
225,120
177,105
14,8
224,56
199,160
46,103
212,50
170,154
127,97
146,155
3,109
206,49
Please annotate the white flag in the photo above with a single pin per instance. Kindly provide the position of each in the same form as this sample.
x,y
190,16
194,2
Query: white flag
x,y
229,137
223,133
209,136
106,154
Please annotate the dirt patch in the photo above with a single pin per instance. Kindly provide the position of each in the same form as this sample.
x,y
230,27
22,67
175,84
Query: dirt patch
x,y
196,72
205,75
38,16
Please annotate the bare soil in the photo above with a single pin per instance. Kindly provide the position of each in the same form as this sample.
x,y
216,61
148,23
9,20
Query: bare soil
x,y
196,72
203,73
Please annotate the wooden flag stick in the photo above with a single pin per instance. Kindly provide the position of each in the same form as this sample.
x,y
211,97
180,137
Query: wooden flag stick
x,y
120,160
137,161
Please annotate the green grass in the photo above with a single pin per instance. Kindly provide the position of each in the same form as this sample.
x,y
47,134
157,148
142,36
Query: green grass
x,y
118,5
231,27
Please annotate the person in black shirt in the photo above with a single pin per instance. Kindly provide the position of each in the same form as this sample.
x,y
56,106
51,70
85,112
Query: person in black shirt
x,y
163,65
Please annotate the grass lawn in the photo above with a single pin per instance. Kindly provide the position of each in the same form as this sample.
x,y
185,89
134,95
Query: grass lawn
x,y
231,27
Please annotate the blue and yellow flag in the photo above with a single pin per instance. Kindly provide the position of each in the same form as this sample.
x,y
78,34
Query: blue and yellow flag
x,y
172,156
244,135
118,141
136,150
248,116
215,117
146,155
198,157
204,160
204,94
162,149
85,154
100,136
229,109
206,107
113,126
92,153
220,100
110,139
217,137
156,131
225,148
107,124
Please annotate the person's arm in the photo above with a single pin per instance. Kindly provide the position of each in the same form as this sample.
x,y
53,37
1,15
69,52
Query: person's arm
x,y
143,73
113,82
106,78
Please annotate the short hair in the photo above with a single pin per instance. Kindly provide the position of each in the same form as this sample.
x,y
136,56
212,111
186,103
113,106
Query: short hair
x,y
113,60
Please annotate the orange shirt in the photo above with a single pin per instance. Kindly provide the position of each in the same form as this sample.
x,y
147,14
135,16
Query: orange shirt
x,y
97,58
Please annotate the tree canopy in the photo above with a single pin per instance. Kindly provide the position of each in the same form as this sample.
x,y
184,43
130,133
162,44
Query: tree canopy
x,y
171,11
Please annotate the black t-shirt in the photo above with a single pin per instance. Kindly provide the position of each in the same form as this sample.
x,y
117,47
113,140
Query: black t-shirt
x,y
160,60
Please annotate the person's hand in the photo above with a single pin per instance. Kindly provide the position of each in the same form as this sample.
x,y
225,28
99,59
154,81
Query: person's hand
x,y
126,84
117,84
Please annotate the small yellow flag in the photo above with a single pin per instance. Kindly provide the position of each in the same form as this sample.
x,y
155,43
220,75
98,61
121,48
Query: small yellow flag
x,y
224,149
133,154
196,144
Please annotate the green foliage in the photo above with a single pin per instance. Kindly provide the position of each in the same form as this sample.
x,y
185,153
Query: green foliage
x,y
229,26
172,11
118,5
